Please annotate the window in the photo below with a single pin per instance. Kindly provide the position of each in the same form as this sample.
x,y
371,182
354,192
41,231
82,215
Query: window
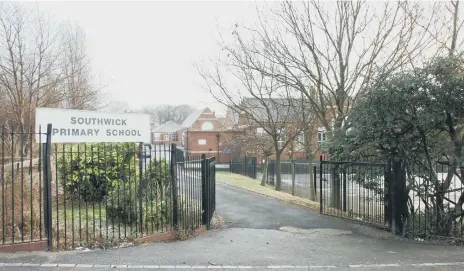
x,y
207,126
201,141
166,137
260,131
157,136
321,136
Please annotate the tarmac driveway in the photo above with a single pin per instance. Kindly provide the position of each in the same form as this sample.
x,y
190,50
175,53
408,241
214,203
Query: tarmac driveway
x,y
262,233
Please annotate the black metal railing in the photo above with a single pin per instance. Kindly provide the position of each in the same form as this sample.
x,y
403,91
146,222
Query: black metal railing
x,y
22,186
190,194
411,198
434,201
99,194
353,190
246,166
208,189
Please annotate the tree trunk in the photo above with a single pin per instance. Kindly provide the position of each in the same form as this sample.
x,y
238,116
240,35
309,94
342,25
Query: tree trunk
x,y
266,164
278,181
335,191
335,186
312,188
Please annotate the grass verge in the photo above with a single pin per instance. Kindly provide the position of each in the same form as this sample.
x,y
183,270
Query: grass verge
x,y
268,190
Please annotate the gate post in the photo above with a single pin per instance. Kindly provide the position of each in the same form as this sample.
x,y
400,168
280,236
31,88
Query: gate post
x,y
321,210
344,190
175,197
204,192
141,173
47,188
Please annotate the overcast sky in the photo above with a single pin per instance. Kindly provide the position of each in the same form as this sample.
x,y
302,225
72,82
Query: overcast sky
x,y
144,51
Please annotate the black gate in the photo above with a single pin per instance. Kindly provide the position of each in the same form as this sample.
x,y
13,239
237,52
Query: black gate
x,y
354,190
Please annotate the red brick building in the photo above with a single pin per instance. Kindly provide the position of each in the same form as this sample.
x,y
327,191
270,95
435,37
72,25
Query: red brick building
x,y
201,132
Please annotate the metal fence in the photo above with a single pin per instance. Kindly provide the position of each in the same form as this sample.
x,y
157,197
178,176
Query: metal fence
x,y
23,186
409,198
246,166
415,201
98,195
353,190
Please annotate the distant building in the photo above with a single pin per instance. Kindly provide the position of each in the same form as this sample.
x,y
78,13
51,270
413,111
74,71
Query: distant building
x,y
167,133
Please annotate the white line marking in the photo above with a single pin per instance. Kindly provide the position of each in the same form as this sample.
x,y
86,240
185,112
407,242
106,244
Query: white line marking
x,y
373,265
49,265
183,267
438,264
167,266
321,266
67,265
245,267
229,267
151,267
81,265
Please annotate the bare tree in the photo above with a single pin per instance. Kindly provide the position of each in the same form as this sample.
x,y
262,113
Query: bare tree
x,y
259,144
29,73
165,112
76,87
39,68
331,51
262,102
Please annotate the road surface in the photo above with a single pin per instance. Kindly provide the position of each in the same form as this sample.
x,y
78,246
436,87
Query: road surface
x,y
261,233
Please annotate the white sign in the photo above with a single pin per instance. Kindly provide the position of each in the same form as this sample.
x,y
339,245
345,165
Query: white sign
x,y
78,126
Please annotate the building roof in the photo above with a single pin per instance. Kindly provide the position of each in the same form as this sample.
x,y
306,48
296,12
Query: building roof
x,y
190,120
168,127
277,109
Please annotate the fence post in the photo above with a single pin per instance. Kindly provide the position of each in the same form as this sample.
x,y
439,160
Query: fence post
x,y
175,197
388,215
204,200
292,170
315,181
344,190
255,165
141,173
321,210
47,189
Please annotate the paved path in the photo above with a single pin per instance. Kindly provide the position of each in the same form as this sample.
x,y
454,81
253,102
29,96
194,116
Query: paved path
x,y
262,233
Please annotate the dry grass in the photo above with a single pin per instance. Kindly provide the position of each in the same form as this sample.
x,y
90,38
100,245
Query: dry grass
x,y
268,190
20,207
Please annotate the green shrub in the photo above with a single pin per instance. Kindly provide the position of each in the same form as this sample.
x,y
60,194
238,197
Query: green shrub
x,y
90,172
122,202
157,180
124,198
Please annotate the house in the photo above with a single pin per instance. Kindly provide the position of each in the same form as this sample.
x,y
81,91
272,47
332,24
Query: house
x,y
287,115
203,132
167,133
